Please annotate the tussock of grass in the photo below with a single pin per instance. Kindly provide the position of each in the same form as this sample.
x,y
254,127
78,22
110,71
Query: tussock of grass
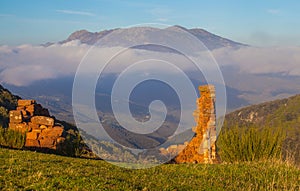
x,y
25,170
12,139
239,144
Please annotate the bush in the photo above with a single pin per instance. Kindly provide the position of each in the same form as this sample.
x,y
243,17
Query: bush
x,y
11,139
239,144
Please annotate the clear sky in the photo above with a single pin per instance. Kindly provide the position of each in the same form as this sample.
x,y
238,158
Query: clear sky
x,y
256,22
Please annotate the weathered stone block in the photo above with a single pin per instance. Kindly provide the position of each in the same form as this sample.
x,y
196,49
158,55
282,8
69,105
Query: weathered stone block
x,y
37,130
25,114
20,108
32,119
47,142
33,126
42,120
43,127
54,132
32,135
21,127
15,116
22,102
30,109
32,143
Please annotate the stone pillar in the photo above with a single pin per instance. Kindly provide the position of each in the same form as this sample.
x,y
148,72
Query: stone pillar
x,y
207,119
202,147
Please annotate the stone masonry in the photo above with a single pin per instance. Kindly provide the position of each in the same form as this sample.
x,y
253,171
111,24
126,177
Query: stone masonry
x,y
202,147
34,120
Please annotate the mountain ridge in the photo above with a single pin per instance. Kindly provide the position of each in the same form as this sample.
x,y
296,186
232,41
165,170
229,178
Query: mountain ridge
x,y
210,40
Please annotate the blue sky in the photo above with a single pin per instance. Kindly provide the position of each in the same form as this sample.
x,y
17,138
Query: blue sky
x,y
257,22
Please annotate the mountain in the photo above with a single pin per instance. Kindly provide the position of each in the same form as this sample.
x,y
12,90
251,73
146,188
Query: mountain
x,y
87,37
282,113
242,88
145,34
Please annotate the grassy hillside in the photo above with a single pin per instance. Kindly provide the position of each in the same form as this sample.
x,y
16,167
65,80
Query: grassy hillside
x,y
8,102
26,170
74,145
281,114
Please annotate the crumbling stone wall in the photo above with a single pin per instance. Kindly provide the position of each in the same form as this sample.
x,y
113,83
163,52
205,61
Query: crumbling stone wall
x,y
40,128
202,147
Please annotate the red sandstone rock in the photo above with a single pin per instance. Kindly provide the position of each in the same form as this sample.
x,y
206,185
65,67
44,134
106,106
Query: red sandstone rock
x,y
30,109
54,132
35,120
37,130
47,142
20,108
32,143
22,102
32,135
42,120
33,125
25,114
21,127
15,117
43,127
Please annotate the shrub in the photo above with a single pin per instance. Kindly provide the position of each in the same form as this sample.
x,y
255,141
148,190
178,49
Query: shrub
x,y
239,144
12,139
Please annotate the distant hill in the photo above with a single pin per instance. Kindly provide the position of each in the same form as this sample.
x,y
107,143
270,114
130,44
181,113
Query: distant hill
x,y
145,34
283,113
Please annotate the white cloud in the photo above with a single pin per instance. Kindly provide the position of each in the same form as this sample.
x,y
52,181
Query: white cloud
x,y
255,60
25,64
72,12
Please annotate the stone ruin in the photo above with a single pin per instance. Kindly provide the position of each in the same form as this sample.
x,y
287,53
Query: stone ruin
x,y
202,147
40,128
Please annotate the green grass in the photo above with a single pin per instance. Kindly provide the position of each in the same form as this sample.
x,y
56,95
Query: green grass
x,y
282,114
26,170
238,144
11,138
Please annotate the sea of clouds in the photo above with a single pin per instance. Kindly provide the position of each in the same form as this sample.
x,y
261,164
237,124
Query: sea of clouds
x,y
25,64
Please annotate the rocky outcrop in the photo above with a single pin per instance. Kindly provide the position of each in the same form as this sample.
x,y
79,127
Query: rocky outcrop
x,y
202,147
40,128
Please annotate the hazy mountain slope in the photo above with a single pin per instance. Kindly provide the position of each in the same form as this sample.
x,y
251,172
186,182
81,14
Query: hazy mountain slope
x,y
213,41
